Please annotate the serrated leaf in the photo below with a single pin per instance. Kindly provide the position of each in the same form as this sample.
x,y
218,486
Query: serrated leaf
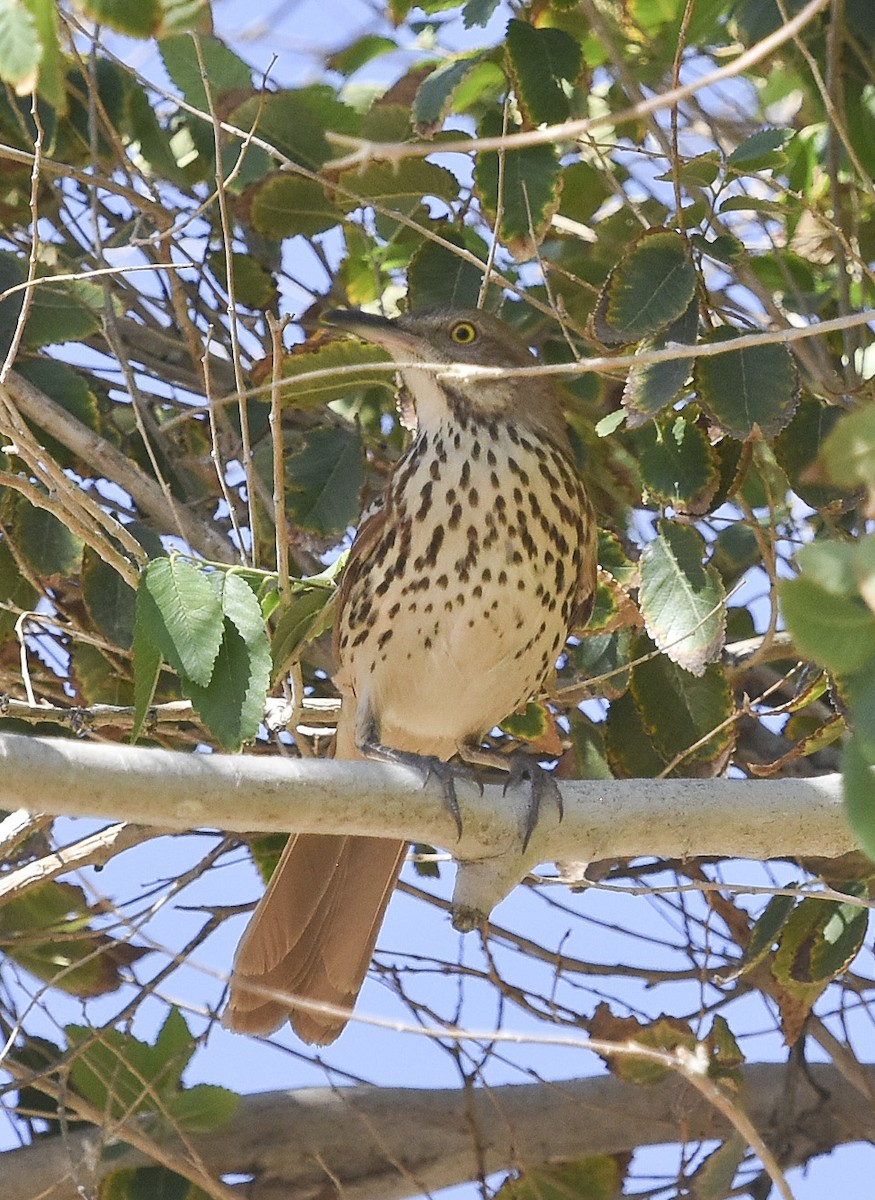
x,y
652,386
360,52
650,288
340,355
849,448
681,600
755,204
203,1108
836,632
628,742
185,16
531,184
15,590
604,654
37,929
399,188
700,171
818,941
685,714
231,705
529,725
111,603
596,1177
46,544
20,46
798,448
437,278
858,779
296,120
714,1176
434,98
254,286
678,465
325,480
587,753
140,20
478,12
306,614
287,205
760,151
227,72
179,611
540,61
147,662
743,389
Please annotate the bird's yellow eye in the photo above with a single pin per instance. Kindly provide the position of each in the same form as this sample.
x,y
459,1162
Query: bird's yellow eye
x,y
463,333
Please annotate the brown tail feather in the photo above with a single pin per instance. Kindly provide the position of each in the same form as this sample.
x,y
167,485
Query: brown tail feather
x,y
314,931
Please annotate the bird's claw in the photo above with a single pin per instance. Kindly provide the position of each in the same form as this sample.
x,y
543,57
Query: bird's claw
x,y
522,768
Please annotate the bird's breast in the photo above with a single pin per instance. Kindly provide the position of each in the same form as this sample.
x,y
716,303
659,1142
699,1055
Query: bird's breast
x,y
463,602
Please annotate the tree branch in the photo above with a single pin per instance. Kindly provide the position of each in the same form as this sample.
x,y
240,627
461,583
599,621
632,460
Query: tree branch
x,y
246,793
388,1143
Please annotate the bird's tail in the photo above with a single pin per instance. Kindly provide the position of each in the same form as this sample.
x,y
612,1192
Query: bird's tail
x,y
313,933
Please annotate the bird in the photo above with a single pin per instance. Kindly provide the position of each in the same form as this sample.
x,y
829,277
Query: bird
x,y
463,583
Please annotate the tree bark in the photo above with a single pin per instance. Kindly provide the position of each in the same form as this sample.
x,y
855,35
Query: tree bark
x,y
384,1144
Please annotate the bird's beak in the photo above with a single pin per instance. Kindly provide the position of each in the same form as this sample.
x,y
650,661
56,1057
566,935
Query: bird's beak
x,y
371,327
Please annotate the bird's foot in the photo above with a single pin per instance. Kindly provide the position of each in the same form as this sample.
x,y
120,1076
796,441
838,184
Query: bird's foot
x,y
430,768
522,768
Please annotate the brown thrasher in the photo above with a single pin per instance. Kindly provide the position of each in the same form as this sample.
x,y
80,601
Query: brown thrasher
x,y
462,585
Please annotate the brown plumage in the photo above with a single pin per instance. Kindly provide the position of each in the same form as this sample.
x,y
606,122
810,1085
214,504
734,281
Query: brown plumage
x,y
462,585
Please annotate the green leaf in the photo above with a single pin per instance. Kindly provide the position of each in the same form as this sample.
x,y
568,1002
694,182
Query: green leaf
x,y
140,20
46,544
478,12
397,187
231,704
798,448
588,757
434,98
540,62
628,743
605,654
836,632
755,204
681,600
48,931
254,286
147,661
681,711
715,1174
849,448
227,72
650,287
305,615
325,480
296,121
15,590
677,464
203,1108
179,611
652,386
148,1183
20,46
437,278
859,793
597,1177
340,355
186,16
531,184
767,929
360,52
96,677
756,387
529,725
109,600
287,205
760,151
698,172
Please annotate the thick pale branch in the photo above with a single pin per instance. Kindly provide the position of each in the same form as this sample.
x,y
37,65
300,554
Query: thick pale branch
x,y
603,818
384,1144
